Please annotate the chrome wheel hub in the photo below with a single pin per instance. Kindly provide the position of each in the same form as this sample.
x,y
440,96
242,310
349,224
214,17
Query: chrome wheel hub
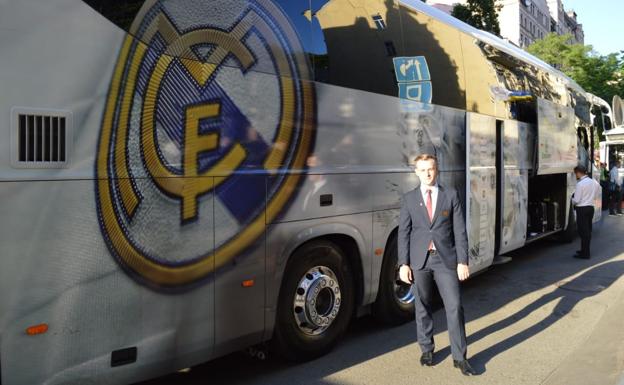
x,y
317,300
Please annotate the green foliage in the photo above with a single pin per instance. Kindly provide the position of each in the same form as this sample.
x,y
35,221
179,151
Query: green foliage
x,y
602,75
482,14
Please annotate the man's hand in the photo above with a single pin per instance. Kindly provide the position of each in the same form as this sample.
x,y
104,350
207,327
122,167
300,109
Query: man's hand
x,y
405,274
463,272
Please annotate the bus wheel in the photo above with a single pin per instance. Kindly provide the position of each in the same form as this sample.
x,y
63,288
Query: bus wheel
x,y
395,301
316,301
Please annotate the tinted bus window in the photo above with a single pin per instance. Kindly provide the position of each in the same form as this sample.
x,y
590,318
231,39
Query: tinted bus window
x,y
354,43
439,43
299,16
120,12
169,25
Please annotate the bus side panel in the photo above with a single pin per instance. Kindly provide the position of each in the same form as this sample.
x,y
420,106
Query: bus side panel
x,y
515,186
557,150
58,271
481,189
240,283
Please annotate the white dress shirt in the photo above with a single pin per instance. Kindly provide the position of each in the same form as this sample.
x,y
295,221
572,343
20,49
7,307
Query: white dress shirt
x,y
614,176
586,192
434,200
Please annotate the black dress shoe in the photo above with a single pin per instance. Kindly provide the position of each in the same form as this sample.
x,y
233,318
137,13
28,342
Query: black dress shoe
x,y
465,367
426,359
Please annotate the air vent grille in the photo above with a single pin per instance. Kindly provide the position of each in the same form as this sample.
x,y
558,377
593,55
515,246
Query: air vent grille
x,y
41,138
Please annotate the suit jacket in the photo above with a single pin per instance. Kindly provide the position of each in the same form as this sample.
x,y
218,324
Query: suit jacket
x,y
447,230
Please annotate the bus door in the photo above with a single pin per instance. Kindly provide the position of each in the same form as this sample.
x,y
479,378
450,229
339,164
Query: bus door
x,y
514,159
481,184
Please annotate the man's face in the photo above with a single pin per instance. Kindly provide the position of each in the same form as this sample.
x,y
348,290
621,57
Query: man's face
x,y
427,171
578,174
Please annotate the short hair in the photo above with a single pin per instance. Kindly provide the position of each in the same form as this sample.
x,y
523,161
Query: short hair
x,y
580,168
426,157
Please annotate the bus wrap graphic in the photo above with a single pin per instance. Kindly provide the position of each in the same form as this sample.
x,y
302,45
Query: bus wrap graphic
x,y
198,117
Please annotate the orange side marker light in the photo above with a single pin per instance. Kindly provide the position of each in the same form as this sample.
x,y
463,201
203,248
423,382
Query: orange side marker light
x,y
248,283
378,252
37,329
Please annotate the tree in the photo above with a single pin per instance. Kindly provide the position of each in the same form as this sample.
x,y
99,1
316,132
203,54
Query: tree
x,y
599,74
481,14
602,75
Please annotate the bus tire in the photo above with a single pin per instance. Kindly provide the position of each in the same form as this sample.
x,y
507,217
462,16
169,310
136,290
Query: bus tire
x,y
570,233
395,303
316,301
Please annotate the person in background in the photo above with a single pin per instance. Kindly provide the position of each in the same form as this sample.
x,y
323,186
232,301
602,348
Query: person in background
x,y
615,189
587,190
604,183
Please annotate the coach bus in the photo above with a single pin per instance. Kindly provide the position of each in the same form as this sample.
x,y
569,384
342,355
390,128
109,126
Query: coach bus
x,y
612,149
181,179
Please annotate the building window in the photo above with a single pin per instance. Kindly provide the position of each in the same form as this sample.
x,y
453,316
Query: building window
x,y
379,22
390,50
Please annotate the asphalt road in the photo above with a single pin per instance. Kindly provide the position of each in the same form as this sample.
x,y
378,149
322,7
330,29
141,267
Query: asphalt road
x,y
543,318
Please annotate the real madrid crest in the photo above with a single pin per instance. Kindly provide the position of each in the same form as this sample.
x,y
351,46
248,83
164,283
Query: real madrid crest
x,y
209,106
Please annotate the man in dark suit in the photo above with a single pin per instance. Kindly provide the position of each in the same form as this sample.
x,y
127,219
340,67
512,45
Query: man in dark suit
x,y
433,247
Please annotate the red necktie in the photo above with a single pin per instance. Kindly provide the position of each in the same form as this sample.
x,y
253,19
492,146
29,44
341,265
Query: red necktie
x,y
429,205
430,211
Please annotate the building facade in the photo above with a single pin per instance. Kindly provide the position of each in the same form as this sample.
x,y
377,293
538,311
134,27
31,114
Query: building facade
x,y
574,28
524,21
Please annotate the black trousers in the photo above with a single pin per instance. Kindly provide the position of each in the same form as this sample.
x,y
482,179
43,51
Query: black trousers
x,y
448,285
584,216
615,198
606,199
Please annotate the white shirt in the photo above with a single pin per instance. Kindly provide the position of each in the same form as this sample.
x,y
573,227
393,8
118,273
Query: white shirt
x,y
614,175
586,192
434,199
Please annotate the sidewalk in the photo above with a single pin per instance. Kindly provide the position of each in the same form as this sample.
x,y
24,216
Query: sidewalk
x,y
544,318
600,358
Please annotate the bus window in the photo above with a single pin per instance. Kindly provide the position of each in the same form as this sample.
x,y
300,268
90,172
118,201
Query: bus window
x,y
583,138
583,154
119,12
299,17
439,43
173,29
607,123
354,43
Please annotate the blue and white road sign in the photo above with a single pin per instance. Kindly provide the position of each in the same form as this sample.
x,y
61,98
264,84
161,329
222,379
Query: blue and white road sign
x,y
411,69
412,74
416,91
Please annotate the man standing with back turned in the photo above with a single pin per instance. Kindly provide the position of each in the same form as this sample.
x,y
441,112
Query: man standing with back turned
x,y
433,247
587,190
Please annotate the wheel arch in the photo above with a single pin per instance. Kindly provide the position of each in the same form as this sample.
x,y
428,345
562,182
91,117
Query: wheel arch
x,y
348,238
392,232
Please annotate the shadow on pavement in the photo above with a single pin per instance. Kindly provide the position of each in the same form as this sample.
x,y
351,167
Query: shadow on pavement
x,y
567,294
534,267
